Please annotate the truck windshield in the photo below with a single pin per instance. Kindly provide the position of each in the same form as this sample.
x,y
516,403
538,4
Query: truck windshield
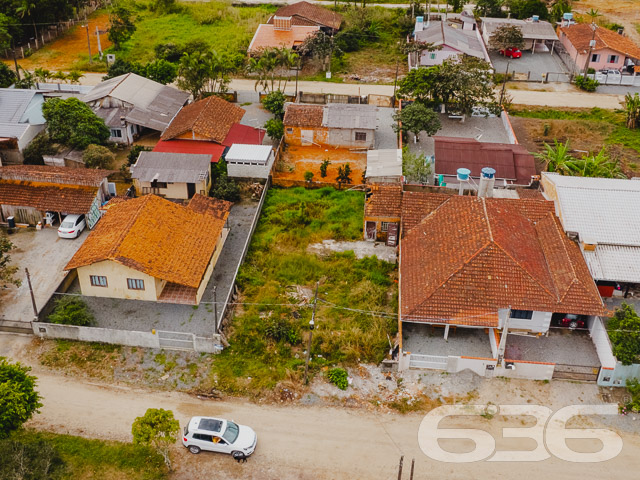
x,y
231,433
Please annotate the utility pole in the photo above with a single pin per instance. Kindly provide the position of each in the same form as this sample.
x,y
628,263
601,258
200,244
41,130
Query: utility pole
x,y
33,298
592,44
400,467
413,462
99,46
15,61
215,307
503,339
504,82
88,37
311,327
298,71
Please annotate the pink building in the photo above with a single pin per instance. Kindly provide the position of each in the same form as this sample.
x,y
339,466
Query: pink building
x,y
611,51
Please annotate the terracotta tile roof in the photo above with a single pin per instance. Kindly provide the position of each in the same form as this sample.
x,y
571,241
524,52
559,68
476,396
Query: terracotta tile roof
x,y
472,256
384,201
511,162
305,13
211,117
418,205
213,206
154,236
47,197
581,34
267,37
530,193
61,175
302,115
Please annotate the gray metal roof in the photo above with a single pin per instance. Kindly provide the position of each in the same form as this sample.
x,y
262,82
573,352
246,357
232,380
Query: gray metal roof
x,y
171,167
13,130
112,116
384,163
344,115
13,103
614,263
531,30
465,41
248,153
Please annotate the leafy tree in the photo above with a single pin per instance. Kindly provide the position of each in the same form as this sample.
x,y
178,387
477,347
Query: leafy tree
x,y
158,429
39,146
624,332
5,32
456,4
225,188
418,85
523,9
133,155
275,128
323,167
274,103
489,8
632,109
416,118
344,175
415,167
7,271
321,47
7,76
18,397
161,71
559,8
204,73
122,27
168,51
507,36
271,65
72,122
308,176
33,460
26,9
97,156
121,67
71,310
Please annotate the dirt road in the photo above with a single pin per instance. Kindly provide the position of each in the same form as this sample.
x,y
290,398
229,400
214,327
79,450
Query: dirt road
x,y
294,442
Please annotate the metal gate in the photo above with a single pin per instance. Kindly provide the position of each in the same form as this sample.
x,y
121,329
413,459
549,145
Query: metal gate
x,y
576,372
176,340
434,362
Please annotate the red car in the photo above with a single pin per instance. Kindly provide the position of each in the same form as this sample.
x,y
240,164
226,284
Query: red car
x,y
511,52
572,321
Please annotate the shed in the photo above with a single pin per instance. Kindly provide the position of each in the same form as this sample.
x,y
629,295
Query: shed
x,y
384,166
249,161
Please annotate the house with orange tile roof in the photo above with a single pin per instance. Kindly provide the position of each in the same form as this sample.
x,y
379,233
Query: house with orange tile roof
x,y
305,13
282,33
149,248
611,50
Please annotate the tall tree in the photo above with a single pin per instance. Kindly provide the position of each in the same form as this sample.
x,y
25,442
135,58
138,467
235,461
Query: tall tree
x,y
416,118
19,399
506,36
489,8
523,9
25,9
121,28
72,122
157,428
7,76
415,167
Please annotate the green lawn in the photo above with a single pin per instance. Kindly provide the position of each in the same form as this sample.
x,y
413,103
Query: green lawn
x,y
268,335
84,458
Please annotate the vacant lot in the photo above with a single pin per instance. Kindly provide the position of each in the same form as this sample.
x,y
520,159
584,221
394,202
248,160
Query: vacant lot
x,y
295,161
587,130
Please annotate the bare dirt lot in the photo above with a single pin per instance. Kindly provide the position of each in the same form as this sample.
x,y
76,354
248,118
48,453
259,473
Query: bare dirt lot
x,y
295,161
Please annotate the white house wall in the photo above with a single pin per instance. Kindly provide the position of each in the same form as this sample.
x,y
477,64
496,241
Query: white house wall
x,y
539,322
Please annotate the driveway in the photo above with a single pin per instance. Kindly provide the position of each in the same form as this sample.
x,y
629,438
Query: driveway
x,y
426,339
45,255
531,66
145,316
562,346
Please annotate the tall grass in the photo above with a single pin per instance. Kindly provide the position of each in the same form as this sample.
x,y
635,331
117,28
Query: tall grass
x,y
278,261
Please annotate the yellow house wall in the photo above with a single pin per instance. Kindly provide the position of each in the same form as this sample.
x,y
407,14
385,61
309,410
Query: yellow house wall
x,y
212,264
117,275
174,190
551,192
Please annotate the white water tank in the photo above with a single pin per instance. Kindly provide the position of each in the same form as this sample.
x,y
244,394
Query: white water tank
x,y
487,180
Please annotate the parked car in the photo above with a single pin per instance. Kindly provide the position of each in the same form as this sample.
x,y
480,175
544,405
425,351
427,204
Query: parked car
x,y
572,321
219,435
72,226
608,76
511,52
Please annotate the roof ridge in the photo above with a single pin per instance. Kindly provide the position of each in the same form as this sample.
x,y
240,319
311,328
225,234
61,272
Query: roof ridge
x,y
486,217
202,110
111,255
564,248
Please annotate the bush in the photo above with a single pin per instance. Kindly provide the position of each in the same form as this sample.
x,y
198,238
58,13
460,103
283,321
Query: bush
x,y
39,146
280,329
161,71
308,176
168,51
7,76
225,189
274,103
633,386
338,376
71,310
587,84
30,460
18,398
323,167
275,128
97,156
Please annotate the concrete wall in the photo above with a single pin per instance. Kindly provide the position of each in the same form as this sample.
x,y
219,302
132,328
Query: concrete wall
x,y
426,59
619,375
528,370
346,137
334,137
476,365
174,190
118,337
539,323
29,135
117,275
249,170
506,122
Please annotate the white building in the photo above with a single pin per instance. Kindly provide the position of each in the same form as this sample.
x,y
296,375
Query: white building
x,y
249,161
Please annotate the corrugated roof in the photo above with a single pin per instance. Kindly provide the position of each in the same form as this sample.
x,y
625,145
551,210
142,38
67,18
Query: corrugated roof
x,y
13,103
13,130
344,115
531,30
266,37
155,236
465,41
244,134
214,150
171,167
614,263
472,256
384,163
249,153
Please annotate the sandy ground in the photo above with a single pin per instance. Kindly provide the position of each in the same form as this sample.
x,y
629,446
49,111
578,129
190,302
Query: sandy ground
x,y
295,161
297,442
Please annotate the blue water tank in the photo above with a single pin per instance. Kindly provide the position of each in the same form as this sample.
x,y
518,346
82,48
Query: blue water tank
x,y
567,16
488,172
419,19
536,18
463,174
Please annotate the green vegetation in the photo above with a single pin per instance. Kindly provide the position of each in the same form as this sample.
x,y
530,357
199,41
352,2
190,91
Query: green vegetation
x,y
18,398
85,458
633,386
158,429
71,310
7,271
72,122
624,332
266,334
338,376
587,84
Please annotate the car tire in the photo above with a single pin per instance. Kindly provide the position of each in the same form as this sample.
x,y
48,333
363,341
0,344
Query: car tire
x,y
573,325
238,455
194,449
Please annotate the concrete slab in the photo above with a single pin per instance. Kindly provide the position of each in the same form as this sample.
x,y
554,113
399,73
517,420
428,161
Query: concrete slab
x,y
385,136
562,346
361,249
532,65
45,255
429,340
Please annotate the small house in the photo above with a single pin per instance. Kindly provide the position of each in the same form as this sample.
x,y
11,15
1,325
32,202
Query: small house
x,y
130,105
382,211
29,192
21,120
336,125
309,14
283,32
149,248
176,176
249,161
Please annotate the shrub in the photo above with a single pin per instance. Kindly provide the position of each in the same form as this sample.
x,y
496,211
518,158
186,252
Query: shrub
x,y
587,84
71,310
323,167
344,174
633,386
30,460
97,156
338,376
157,428
225,189
39,146
308,176
18,398
280,329
274,103
161,71
167,51
275,128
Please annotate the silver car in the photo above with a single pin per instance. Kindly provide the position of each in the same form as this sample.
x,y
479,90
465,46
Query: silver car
x,y
219,435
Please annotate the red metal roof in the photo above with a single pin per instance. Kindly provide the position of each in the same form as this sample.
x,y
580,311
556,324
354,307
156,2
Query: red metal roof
x,y
191,146
244,134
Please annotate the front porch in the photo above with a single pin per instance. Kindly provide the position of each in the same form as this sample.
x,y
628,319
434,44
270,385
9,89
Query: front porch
x,y
425,339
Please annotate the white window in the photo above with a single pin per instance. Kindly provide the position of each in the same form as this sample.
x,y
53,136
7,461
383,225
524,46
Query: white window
x,y
595,57
289,130
135,284
98,280
116,133
612,59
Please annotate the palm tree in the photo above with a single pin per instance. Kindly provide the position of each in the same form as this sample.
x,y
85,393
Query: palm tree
x,y
593,14
556,157
632,109
598,165
25,10
42,75
287,59
75,76
60,76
